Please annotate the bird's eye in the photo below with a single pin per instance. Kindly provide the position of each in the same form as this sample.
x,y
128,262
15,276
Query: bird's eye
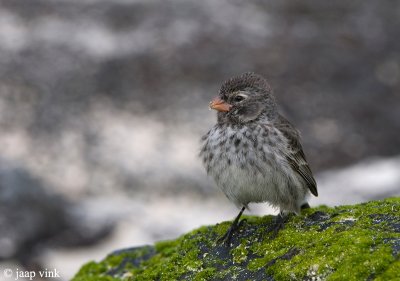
x,y
239,98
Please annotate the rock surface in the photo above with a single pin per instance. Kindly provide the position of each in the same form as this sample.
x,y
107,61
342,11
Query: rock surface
x,y
358,242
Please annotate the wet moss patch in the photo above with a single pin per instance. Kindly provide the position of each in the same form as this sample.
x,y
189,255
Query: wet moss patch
x,y
359,242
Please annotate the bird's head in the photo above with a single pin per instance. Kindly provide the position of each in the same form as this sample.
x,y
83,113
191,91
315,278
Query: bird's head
x,y
244,98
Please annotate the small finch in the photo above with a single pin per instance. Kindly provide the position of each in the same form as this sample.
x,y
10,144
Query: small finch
x,y
253,153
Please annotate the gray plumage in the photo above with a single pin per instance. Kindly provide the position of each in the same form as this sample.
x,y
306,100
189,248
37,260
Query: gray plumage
x,y
253,153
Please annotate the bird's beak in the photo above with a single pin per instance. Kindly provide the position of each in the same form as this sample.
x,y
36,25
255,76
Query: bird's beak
x,y
220,105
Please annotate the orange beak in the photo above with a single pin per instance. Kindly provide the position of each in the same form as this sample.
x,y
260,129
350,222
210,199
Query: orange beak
x,y
220,105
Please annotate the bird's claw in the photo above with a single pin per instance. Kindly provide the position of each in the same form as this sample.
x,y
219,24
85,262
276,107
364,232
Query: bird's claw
x,y
278,224
226,238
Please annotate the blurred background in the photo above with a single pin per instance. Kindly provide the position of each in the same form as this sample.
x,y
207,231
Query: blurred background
x,y
103,103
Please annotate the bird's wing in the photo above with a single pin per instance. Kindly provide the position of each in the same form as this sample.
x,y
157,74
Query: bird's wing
x,y
295,155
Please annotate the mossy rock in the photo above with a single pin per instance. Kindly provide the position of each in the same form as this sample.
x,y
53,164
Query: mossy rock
x,y
360,242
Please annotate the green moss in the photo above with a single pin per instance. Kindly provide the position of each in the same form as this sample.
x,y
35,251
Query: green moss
x,y
357,242
93,271
239,253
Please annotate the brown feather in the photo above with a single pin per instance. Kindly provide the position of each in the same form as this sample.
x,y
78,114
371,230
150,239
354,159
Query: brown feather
x,y
295,156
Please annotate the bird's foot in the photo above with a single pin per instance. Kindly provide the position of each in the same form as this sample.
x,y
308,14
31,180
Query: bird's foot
x,y
226,238
278,224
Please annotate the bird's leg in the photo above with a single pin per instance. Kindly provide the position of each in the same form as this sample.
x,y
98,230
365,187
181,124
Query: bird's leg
x,y
235,225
